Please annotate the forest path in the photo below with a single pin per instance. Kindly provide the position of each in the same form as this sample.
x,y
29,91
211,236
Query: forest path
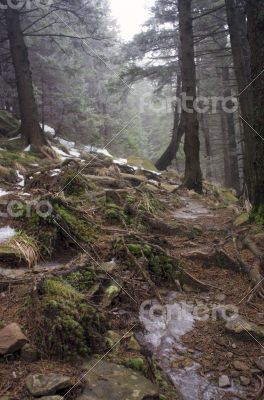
x,y
187,338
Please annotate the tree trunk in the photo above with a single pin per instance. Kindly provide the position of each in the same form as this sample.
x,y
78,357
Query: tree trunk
x,y
177,132
233,176
255,14
241,56
30,128
208,147
193,174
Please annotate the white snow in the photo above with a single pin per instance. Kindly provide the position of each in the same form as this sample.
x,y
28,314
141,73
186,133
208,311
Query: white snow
x,y
66,143
93,149
120,161
22,179
2,149
75,153
3,192
28,148
55,172
49,129
6,233
14,138
60,153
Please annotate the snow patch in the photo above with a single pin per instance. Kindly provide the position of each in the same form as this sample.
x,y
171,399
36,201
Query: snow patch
x,y
49,129
60,153
3,192
28,148
14,138
6,233
22,179
55,172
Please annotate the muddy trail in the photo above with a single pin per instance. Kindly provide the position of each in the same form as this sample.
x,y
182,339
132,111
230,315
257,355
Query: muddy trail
x,y
125,285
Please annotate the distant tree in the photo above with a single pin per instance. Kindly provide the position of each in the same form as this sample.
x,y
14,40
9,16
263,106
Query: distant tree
x,y
255,15
193,174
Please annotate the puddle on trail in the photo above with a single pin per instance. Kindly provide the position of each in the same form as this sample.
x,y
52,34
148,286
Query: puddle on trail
x,y
192,209
164,327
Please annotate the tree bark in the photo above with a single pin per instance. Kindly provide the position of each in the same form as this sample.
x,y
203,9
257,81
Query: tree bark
x,y
233,175
255,14
30,128
241,56
193,174
177,132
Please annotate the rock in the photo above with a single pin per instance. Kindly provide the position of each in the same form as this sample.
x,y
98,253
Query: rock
x,y
245,381
111,292
240,366
141,163
112,339
260,363
220,297
11,339
133,344
29,353
111,381
224,381
47,384
243,327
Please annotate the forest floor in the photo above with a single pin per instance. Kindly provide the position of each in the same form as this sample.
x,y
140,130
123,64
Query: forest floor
x,y
131,269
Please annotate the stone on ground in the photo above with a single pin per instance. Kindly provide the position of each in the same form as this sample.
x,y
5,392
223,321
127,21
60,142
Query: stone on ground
x,y
243,327
240,366
47,384
245,381
111,381
11,339
224,381
260,363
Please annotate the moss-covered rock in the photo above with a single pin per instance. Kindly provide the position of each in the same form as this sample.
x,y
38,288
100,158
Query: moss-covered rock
x,y
67,326
138,364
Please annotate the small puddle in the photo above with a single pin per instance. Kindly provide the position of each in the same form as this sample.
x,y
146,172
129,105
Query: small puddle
x,y
164,328
193,209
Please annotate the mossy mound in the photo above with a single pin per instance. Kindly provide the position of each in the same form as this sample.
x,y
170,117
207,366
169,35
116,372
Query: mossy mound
x,y
59,226
160,266
65,325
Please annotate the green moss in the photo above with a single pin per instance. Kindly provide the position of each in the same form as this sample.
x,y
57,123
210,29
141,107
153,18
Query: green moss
x,y
82,280
75,184
137,364
135,249
257,215
115,213
160,265
66,323
78,225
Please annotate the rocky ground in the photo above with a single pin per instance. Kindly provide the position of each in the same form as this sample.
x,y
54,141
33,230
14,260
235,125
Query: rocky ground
x,y
86,241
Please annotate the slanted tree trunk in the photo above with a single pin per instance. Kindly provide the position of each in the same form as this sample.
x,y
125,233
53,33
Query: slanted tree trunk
x,y
241,56
255,14
30,128
193,174
177,132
